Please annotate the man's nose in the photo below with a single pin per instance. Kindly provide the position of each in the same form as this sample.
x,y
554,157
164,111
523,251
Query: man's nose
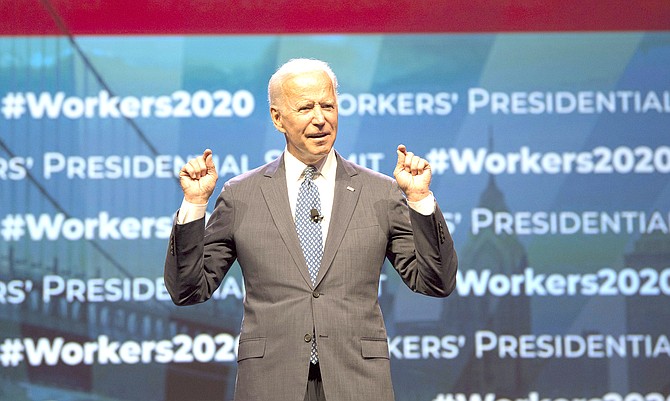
x,y
318,118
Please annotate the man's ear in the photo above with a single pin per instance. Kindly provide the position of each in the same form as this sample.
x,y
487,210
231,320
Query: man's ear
x,y
276,119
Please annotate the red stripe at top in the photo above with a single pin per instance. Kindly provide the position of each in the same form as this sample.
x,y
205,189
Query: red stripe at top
x,y
187,17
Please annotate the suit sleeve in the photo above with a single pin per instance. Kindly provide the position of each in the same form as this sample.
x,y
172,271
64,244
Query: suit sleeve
x,y
199,257
420,248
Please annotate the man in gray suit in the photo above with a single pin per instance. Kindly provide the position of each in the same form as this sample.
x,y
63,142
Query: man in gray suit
x,y
311,330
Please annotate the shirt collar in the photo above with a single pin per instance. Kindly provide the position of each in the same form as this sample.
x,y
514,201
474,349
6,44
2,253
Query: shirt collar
x,y
326,167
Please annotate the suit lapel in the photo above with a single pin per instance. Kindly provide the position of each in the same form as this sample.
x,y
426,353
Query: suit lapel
x,y
276,197
347,191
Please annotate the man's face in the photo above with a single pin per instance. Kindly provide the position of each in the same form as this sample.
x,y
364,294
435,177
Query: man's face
x,y
307,115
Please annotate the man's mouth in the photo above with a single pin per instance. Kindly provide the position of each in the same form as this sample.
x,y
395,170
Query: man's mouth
x,y
317,135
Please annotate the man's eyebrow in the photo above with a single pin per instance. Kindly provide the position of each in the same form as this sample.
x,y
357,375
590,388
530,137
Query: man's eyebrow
x,y
301,103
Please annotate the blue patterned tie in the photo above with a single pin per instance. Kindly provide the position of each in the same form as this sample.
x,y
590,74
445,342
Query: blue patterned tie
x,y
308,226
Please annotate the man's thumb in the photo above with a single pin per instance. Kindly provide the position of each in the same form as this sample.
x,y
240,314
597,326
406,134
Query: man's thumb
x,y
402,152
209,162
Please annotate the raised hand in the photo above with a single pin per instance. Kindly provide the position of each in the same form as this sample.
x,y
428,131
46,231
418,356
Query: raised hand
x,y
198,178
413,174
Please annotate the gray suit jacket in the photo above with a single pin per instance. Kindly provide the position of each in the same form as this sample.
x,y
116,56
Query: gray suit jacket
x,y
252,223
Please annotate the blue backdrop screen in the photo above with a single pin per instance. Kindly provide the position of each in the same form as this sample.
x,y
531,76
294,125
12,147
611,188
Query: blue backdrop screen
x,y
550,157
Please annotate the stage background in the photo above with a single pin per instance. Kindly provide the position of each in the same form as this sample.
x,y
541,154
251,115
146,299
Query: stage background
x,y
546,125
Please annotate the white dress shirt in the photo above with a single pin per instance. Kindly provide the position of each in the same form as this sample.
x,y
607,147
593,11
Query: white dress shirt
x,y
324,179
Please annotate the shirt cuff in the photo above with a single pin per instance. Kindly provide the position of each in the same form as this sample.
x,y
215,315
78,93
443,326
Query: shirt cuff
x,y
425,206
189,212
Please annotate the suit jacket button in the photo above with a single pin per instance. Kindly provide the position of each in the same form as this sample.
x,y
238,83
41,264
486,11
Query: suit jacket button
x,y
308,338
316,294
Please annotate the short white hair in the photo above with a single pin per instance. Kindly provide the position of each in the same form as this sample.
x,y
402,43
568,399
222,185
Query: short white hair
x,y
297,66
